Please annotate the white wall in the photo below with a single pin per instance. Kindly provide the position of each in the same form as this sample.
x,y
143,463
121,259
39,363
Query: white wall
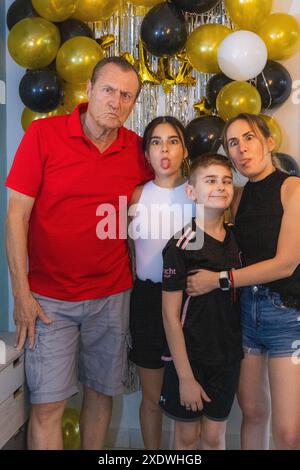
x,y
125,419
288,115
14,131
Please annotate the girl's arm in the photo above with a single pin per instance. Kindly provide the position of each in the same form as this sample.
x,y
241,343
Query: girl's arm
x,y
191,392
130,243
283,264
136,195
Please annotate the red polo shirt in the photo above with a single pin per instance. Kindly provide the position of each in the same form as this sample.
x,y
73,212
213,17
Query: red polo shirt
x,y
71,180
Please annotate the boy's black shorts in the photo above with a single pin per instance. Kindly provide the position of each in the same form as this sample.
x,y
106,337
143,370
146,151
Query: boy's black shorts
x,y
219,382
146,325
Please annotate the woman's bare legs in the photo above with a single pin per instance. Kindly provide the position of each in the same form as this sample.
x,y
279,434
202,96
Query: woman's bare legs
x,y
254,400
284,375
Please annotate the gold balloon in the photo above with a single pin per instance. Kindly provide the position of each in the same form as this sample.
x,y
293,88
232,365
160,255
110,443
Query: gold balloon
x,y
129,57
28,115
55,10
202,107
238,97
106,41
248,14
75,93
274,129
202,47
95,10
184,74
145,72
164,74
281,33
77,58
145,3
33,42
70,429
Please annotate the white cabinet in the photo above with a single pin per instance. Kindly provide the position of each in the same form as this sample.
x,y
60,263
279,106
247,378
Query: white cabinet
x,y
14,406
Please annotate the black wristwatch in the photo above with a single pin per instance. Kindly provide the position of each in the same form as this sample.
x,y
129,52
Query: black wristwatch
x,y
224,280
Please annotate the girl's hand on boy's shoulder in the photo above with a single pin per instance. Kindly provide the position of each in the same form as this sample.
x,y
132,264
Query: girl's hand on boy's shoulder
x,y
201,281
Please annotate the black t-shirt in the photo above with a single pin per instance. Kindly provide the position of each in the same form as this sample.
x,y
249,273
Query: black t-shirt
x,y
211,322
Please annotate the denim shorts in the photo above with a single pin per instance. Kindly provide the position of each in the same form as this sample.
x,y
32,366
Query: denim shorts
x,y
268,326
88,340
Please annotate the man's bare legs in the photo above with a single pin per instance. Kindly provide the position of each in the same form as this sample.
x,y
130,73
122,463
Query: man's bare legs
x,y
95,419
45,429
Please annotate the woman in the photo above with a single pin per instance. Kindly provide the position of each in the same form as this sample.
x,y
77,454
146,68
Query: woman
x,y
267,227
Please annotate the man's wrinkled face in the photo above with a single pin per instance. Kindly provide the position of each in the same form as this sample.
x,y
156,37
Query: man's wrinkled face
x,y
112,96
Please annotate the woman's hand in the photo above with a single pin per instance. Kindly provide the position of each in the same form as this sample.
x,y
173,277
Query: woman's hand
x,y
201,282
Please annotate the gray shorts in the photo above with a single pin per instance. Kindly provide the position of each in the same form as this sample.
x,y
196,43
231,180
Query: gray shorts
x,y
90,336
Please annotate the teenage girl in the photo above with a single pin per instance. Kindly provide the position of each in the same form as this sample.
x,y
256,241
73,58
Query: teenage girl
x,y
159,208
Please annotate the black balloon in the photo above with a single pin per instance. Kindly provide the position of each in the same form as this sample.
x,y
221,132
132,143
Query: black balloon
x,y
274,84
70,28
214,85
204,134
288,164
19,10
163,30
196,6
41,90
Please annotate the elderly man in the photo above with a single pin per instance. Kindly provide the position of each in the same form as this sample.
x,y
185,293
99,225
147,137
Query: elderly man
x,y
71,307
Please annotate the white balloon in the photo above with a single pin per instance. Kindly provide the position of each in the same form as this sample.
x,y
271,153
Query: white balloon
x,y
242,55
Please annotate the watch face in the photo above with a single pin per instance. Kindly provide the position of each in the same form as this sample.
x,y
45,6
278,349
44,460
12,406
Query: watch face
x,y
224,283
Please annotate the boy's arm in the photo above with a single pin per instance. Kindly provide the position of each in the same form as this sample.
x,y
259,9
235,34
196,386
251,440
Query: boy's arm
x,y
191,392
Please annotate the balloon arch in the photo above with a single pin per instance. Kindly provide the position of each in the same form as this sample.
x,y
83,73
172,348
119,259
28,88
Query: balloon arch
x,y
206,58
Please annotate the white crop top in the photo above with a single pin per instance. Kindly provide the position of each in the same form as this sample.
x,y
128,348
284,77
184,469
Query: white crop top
x,y
159,214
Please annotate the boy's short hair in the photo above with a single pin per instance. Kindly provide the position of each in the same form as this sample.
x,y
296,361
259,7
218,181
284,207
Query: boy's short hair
x,y
205,160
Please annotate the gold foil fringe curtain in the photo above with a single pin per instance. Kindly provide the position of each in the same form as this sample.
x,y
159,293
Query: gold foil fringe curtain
x,y
165,97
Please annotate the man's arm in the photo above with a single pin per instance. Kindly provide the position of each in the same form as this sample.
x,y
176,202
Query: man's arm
x,y
26,309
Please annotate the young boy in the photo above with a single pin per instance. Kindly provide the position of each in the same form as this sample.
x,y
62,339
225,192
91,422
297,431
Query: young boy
x,y
203,332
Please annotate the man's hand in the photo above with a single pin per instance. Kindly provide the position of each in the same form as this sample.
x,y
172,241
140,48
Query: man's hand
x,y
192,394
201,282
26,311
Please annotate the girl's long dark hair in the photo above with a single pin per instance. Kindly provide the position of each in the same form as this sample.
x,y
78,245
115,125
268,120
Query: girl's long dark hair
x,y
174,122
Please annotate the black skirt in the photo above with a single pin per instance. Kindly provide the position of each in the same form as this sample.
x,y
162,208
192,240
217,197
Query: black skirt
x,y
146,325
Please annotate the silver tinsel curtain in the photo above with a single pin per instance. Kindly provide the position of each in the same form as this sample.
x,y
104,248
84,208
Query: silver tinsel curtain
x,y
154,100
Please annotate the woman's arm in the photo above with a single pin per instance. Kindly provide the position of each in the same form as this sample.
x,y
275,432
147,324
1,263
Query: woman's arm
x,y
283,264
191,392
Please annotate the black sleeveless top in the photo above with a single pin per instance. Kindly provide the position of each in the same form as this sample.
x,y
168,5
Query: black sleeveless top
x,y
257,227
